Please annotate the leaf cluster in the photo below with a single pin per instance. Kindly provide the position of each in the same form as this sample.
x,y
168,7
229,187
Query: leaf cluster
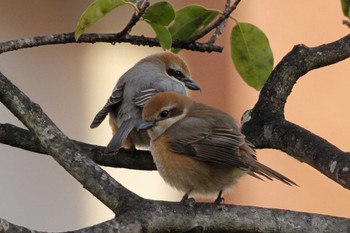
x,y
250,49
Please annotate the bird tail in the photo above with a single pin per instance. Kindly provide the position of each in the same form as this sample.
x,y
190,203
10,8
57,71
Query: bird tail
x,y
100,116
120,136
257,168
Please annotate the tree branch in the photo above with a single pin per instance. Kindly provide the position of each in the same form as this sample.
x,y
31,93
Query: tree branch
x,y
346,23
124,37
135,18
160,216
24,139
225,15
65,152
267,127
294,65
7,227
220,27
65,38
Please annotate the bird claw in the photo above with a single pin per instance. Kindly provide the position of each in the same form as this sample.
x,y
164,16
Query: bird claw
x,y
186,198
219,200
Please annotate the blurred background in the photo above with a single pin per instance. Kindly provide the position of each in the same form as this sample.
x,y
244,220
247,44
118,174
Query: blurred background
x,y
72,82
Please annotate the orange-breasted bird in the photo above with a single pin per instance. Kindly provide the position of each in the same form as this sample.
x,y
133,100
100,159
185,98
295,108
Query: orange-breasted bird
x,y
197,148
156,73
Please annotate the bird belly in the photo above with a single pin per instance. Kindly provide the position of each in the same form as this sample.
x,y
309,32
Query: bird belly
x,y
190,175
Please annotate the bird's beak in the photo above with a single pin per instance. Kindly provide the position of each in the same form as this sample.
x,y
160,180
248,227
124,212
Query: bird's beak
x,y
192,85
143,125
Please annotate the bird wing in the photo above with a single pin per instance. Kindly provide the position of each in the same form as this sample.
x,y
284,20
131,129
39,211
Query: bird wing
x,y
217,144
114,99
223,145
144,96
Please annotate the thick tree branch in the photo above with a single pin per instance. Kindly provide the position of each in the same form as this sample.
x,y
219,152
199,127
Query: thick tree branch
x,y
64,151
160,216
267,127
312,149
8,227
294,65
24,139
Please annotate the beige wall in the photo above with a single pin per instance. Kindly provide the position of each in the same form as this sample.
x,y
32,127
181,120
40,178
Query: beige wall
x,y
71,83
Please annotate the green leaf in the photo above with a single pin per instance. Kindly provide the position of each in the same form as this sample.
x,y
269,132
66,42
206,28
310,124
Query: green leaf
x,y
190,20
161,12
251,54
97,10
345,5
163,35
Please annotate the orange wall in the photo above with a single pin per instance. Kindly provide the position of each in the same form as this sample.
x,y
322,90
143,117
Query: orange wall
x,y
318,102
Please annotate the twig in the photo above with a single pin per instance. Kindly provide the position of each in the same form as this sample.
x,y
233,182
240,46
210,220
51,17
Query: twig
x,y
65,38
346,22
226,13
134,19
220,27
121,37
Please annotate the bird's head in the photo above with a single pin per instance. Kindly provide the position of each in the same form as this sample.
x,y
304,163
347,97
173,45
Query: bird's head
x,y
174,67
162,111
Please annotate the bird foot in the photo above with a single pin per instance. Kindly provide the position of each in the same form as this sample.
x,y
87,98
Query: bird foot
x,y
186,198
219,200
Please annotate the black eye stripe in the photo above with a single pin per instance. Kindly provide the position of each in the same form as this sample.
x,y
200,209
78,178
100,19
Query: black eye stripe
x,y
176,74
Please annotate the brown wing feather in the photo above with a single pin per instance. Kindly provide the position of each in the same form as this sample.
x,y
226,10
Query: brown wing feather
x,y
220,145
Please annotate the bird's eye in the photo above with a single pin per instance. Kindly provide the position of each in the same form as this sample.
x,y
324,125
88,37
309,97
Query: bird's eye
x,y
164,114
176,74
